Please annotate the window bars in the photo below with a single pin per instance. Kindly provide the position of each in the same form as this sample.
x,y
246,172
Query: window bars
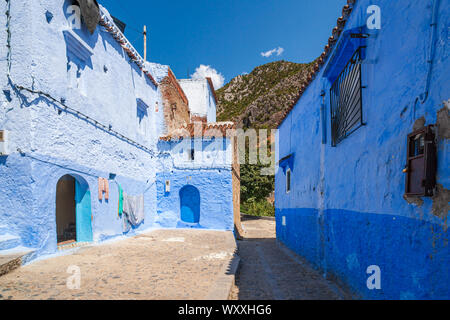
x,y
346,100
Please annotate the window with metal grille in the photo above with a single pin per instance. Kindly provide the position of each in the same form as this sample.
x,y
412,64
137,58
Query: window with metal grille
x,y
346,100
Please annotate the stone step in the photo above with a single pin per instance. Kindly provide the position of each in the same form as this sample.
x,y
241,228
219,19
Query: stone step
x,y
9,241
13,258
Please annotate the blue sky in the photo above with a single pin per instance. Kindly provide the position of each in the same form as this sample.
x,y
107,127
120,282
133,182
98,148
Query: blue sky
x,y
228,35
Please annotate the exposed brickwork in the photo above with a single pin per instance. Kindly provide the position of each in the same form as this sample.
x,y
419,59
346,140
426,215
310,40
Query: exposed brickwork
x,y
236,181
197,118
175,104
199,129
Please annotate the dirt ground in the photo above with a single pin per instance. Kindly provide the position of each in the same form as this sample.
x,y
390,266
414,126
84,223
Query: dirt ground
x,y
162,264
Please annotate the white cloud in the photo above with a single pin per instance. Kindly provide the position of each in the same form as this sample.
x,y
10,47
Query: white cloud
x,y
278,51
208,72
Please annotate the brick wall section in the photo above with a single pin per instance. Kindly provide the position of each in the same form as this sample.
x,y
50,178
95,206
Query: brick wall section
x,y
236,181
175,104
197,118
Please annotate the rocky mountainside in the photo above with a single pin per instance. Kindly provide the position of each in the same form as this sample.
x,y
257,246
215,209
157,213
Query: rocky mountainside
x,y
260,99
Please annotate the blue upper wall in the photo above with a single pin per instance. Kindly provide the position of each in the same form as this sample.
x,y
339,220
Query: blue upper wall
x,y
346,209
110,128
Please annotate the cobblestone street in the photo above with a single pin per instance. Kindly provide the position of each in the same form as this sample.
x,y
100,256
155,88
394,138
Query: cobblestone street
x,y
162,264
269,270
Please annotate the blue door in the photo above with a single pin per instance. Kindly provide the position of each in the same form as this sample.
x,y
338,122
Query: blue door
x,y
190,204
83,212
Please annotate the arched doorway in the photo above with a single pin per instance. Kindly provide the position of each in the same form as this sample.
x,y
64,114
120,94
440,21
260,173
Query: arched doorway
x,y
190,204
73,210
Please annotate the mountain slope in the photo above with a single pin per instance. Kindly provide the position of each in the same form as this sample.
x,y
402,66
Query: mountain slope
x,y
259,99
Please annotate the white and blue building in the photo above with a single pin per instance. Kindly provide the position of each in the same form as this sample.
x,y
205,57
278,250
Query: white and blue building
x,y
81,119
350,196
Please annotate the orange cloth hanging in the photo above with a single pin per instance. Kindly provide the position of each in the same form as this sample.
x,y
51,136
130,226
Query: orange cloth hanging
x,y
100,188
106,188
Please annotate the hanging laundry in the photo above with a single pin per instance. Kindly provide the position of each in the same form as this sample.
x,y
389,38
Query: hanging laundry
x,y
120,210
90,12
126,226
100,189
106,188
133,209
103,187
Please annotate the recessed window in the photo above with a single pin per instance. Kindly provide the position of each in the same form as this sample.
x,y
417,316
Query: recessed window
x,y
346,100
288,180
167,186
191,154
142,117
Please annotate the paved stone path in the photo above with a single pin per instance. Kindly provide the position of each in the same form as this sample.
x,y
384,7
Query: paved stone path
x,y
269,270
162,264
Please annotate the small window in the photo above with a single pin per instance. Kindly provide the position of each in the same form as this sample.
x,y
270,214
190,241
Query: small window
x,y
288,180
167,188
417,145
421,163
173,110
346,100
142,117
191,154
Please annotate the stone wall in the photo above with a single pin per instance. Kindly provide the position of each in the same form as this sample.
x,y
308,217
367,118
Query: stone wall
x,y
176,105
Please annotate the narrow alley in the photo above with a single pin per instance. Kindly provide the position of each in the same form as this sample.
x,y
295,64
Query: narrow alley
x,y
268,270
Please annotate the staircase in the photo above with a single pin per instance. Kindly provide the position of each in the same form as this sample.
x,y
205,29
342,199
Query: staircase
x,y
12,253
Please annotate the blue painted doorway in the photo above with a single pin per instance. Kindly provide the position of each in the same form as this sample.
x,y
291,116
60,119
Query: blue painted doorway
x,y
190,204
83,212
73,210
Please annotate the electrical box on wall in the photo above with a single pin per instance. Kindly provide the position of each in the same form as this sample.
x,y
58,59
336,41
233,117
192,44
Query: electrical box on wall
x,y
421,163
4,143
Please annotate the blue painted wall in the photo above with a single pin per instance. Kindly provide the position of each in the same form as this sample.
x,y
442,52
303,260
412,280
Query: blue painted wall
x,y
210,173
346,210
47,142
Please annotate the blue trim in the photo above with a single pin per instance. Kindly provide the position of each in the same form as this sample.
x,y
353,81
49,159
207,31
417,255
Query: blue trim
x,y
345,48
287,162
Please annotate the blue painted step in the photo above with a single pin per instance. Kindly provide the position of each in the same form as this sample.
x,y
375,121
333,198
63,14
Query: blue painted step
x,y
9,241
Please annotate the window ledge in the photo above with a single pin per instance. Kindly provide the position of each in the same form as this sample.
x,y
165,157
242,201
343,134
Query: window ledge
x,y
77,46
142,105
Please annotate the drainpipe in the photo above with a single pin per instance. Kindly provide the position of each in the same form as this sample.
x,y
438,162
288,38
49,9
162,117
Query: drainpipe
x,y
322,117
424,96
